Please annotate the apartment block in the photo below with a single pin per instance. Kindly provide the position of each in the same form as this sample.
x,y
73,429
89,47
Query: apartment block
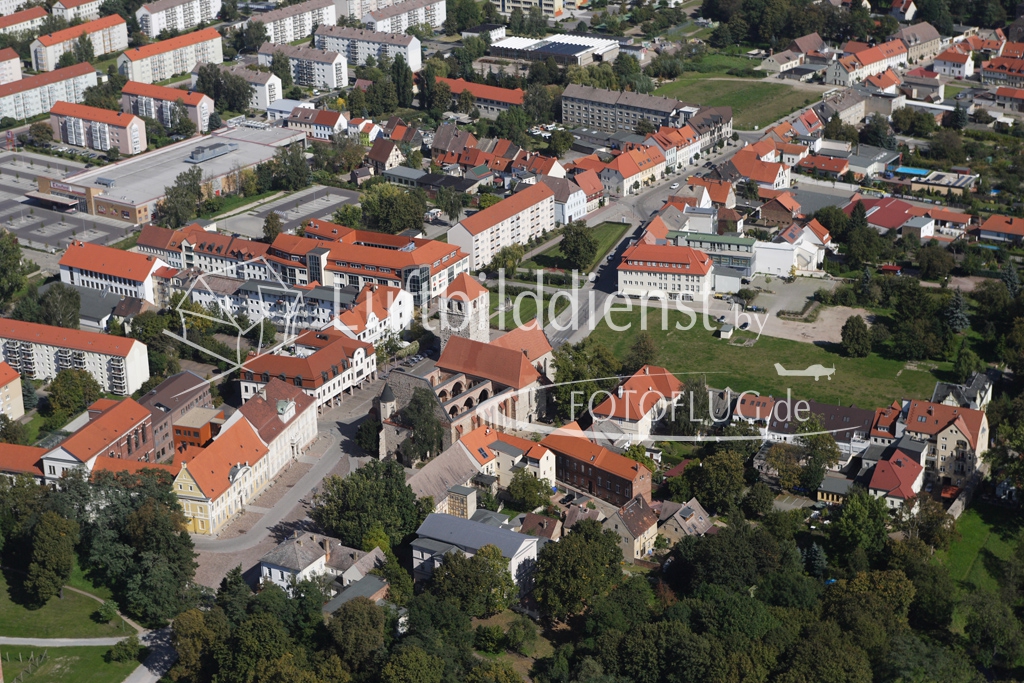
x,y
400,16
11,403
36,95
117,430
514,220
319,124
160,61
30,19
613,111
119,364
10,66
551,8
158,102
266,87
665,271
357,44
109,34
175,15
124,273
69,10
99,129
296,22
856,67
312,67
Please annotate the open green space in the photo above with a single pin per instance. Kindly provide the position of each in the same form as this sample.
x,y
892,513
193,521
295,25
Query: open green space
x,y
607,234
67,618
62,664
951,91
128,243
80,580
987,538
235,202
865,382
753,103
527,307
542,647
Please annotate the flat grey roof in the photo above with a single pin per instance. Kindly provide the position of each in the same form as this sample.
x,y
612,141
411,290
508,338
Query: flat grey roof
x,y
465,533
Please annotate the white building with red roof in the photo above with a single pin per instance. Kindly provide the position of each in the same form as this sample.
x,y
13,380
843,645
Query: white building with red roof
x,y
158,102
94,266
1002,229
109,34
10,66
178,55
958,437
514,220
98,128
954,63
35,95
868,61
377,312
665,271
30,19
11,403
638,404
69,10
897,480
319,124
175,15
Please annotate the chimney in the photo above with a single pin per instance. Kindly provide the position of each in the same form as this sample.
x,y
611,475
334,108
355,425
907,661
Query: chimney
x,y
619,391
647,370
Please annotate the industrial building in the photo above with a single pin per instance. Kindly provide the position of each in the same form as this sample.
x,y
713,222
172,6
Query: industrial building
x,y
567,50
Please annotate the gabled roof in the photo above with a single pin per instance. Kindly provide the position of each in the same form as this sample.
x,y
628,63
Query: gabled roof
x,y
825,164
888,213
193,38
896,476
214,467
1006,225
109,261
46,78
637,516
22,460
7,374
333,351
665,258
263,413
504,366
930,418
886,79
953,56
381,150
97,436
506,208
118,119
753,407
809,43
509,96
583,450
161,92
23,16
466,533
63,337
640,393
820,231
107,464
748,165
530,340
73,33
454,466
718,190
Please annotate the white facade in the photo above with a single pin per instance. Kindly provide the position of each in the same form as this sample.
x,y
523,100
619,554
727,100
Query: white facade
x,y
69,10
531,214
109,34
141,289
312,67
374,316
175,15
399,17
36,95
160,61
17,22
10,69
296,22
955,65
357,44
358,367
11,402
266,87
119,365
290,441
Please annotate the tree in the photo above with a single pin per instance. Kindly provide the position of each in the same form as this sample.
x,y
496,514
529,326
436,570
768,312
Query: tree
x,y
583,565
388,208
412,664
481,585
29,397
856,338
638,452
641,352
955,314
349,215
181,123
381,97
281,67
126,650
1011,278
466,102
785,459
721,36
820,452
958,118
718,481
253,36
53,556
936,261
12,431
758,500
401,76
537,102
993,630
357,632
560,142
876,132
579,246
508,257
368,436
967,363
376,492
60,306
527,491
427,431
861,524
12,277
71,391
512,124
181,201
41,131
271,227
83,49
450,202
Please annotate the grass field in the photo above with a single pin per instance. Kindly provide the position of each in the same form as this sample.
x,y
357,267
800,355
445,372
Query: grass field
x,y
865,382
607,234
987,537
542,648
67,618
527,307
753,103
78,664
951,91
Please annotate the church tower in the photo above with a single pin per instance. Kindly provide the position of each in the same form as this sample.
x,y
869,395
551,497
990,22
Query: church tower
x,y
464,311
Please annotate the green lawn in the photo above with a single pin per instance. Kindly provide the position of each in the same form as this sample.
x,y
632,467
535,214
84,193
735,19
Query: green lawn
x,y
542,647
951,91
128,242
753,104
527,307
235,202
865,382
80,580
33,426
67,618
987,537
78,664
607,235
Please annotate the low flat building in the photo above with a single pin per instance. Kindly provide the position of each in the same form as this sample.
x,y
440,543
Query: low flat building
x,y
159,102
357,44
489,99
99,129
179,55
311,67
109,34
567,50
999,228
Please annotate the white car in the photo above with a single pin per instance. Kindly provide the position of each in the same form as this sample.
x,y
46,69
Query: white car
x,y
674,186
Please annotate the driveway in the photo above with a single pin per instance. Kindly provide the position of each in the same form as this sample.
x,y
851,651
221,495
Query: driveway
x,y
790,501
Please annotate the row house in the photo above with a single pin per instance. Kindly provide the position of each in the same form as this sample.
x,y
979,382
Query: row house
x,y
596,470
680,146
398,17
357,44
206,251
570,200
311,67
159,102
178,16
318,124
116,429
515,220
296,22
109,34
713,125
93,266
97,128
922,40
179,55
1003,71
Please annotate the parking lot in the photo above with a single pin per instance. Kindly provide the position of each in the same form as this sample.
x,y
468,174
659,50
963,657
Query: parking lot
x,y
295,209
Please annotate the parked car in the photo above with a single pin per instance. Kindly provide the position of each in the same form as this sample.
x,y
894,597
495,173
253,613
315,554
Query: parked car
x,y
744,326
674,186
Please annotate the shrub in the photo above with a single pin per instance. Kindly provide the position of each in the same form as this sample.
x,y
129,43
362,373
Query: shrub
x,y
521,636
488,639
125,650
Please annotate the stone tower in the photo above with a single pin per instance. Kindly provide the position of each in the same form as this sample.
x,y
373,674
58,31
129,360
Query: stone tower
x,y
464,311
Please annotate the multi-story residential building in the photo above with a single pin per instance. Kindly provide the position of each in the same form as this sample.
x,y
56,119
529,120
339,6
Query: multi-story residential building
x,y
266,87
958,439
338,256
93,266
636,525
159,102
712,125
856,67
597,470
171,400
99,129
551,8
175,15
109,34
11,403
319,124
357,44
36,95
69,10
954,63
179,55
209,252
638,404
489,99
116,429
10,66
1003,71
311,67
377,311
298,21
632,170
120,365
922,41
515,220
611,110
440,534
663,271
570,200
30,20
333,364
400,16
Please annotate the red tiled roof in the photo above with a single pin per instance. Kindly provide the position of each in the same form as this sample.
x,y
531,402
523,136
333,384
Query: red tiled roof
x,y
464,287
640,393
64,35
1004,65
825,164
889,213
754,407
929,418
585,451
718,190
23,16
8,54
665,258
108,464
484,92
886,79
506,208
262,412
820,231
1013,50
22,459
504,366
66,338
7,374
97,436
109,261
529,340
117,119
886,419
953,56
748,165
71,4
211,468
162,92
1011,93
333,350
481,440
896,476
677,470
46,78
1007,225
176,43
